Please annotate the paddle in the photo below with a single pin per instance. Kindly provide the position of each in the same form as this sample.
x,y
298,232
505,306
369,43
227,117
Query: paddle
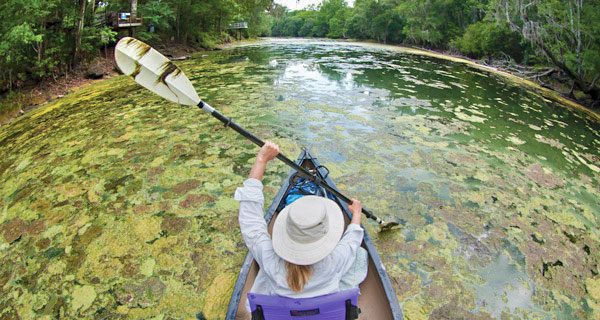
x,y
158,74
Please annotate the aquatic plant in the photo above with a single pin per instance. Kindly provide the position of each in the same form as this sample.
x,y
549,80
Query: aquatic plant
x,y
118,204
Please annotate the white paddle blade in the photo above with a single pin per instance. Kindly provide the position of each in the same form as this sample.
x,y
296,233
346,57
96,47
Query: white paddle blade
x,y
154,71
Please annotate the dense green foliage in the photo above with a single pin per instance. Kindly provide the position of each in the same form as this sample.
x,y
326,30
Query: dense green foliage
x,y
565,32
562,34
329,21
42,38
488,39
202,22
38,39
433,23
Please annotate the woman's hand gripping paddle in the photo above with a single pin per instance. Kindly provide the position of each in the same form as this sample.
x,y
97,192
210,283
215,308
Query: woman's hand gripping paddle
x,y
158,74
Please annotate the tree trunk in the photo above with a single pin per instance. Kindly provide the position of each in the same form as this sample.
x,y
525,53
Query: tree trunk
x,y
533,31
177,24
79,31
41,44
133,17
592,90
134,9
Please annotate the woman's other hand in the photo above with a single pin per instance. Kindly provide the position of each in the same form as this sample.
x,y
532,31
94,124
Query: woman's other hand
x,y
356,209
266,153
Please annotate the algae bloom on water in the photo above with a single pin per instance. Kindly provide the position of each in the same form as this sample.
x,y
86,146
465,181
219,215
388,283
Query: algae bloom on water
x,y
117,204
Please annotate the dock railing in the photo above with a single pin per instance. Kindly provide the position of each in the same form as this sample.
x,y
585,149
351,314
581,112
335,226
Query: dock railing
x,y
239,25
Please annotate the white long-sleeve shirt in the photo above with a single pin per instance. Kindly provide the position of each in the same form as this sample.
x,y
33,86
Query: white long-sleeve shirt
x,y
271,278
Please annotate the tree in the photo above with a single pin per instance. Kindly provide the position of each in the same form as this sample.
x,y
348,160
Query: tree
x,y
134,9
79,31
331,9
15,46
490,39
359,23
564,31
436,22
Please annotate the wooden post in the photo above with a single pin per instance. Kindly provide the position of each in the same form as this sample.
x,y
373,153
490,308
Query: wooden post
x,y
133,17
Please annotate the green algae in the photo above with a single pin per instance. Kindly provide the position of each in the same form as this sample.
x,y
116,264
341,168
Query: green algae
x,y
218,295
147,267
112,206
83,297
592,285
114,189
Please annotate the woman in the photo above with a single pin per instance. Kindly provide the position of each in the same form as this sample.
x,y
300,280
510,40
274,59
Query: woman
x,y
306,257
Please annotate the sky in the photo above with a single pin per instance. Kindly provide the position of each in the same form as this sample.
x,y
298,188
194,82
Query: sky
x,y
301,4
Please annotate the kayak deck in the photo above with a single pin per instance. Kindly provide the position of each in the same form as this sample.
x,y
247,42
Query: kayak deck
x,y
377,299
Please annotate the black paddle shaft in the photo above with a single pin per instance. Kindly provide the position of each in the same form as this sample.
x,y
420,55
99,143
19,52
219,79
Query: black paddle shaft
x,y
316,179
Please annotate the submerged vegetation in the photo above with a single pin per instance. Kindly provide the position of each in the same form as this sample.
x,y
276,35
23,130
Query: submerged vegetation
x,y
117,204
122,208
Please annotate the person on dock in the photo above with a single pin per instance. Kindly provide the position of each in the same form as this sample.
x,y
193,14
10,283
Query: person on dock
x,y
309,253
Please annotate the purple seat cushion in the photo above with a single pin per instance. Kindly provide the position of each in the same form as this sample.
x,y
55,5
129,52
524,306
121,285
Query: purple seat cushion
x,y
329,306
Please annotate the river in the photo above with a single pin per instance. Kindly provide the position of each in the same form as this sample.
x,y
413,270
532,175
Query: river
x,y
118,204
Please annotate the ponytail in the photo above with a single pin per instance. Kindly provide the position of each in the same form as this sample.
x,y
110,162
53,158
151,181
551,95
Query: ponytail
x,y
297,276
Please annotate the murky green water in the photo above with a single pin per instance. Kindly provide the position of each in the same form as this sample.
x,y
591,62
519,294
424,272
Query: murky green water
x,y
117,204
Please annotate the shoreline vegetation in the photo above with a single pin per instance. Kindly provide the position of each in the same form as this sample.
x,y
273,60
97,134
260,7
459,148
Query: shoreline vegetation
x,y
32,96
42,41
24,100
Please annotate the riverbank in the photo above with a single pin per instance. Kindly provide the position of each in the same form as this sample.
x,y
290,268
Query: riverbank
x,y
21,101
17,103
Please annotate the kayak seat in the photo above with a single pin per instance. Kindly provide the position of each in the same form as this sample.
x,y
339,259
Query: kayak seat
x,y
342,305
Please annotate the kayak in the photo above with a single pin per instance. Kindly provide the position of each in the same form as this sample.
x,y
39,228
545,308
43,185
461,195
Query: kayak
x,y
377,298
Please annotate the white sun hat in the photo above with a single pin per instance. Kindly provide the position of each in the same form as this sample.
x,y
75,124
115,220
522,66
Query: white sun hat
x,y
308,230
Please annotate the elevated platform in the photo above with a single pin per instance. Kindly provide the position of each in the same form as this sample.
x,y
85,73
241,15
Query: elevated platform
x,y
238,25
124,20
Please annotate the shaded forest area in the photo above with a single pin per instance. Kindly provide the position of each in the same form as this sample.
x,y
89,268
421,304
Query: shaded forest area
x,y
49,39
555,41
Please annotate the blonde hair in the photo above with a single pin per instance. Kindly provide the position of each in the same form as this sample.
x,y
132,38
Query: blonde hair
x,y
297,275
